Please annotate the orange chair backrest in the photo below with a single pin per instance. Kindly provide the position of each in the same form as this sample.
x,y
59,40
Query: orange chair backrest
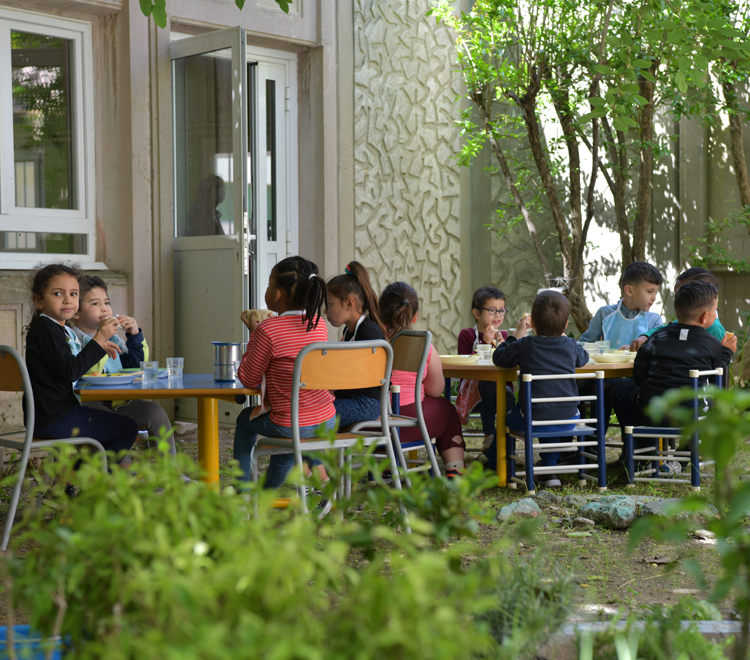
x,y
10,374
407,353
350,369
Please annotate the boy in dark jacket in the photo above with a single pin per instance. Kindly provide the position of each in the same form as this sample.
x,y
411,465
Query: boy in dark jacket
x,y
549,352
666,358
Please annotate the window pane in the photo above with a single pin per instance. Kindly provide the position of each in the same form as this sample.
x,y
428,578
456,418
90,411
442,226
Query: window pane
x,y
43,121
271,158
204,158
44,243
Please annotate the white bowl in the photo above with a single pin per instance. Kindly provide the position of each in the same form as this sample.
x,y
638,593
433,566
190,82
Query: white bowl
x,y
459,359
114,379
612,358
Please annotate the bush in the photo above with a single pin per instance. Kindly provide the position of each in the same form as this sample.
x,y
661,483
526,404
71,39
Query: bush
x,y
183,571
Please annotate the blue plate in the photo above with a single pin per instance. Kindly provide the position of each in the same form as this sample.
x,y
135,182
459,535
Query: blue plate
x,y
114,379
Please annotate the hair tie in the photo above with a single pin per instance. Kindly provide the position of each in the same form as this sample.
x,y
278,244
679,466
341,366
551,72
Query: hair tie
x,y
405,302
347,270
312,275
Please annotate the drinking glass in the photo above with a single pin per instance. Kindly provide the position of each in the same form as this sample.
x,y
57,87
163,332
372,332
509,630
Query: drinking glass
x,y
175,366
602,347
150,372
484,351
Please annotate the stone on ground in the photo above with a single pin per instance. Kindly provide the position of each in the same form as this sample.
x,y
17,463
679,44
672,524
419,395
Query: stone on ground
x,y
524,508
583,522
613,511
546,498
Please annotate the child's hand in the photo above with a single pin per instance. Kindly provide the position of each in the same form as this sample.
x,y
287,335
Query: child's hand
x,y
522,325
250,320
128,323
637,343
730,341
108,327
112,349
490,335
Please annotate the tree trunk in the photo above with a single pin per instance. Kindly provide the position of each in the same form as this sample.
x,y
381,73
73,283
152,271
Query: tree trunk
x,y
643,210
578,309
527,105
736,144
508,177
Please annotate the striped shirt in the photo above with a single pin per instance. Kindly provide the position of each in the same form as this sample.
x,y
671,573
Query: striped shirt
x,y
271,351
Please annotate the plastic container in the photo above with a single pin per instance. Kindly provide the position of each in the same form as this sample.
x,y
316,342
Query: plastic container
x,y
29,645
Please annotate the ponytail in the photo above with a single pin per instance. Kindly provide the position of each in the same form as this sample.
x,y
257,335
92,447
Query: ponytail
x,y
398,305
356,282
304,287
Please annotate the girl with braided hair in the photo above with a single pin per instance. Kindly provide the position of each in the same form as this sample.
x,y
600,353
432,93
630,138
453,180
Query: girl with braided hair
x,y
399,309
353,303
297,293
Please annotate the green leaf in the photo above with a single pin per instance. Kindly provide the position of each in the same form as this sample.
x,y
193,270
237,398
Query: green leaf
x,y
240,3
648,75
681,82
603,69
642,64
629,88
160,16
640,100
620,125
597,101
146,7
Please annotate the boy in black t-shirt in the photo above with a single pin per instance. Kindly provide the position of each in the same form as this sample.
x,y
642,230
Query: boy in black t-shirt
x,y
664,361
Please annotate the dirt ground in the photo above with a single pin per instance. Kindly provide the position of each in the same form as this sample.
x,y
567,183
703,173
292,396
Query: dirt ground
x,y
607,575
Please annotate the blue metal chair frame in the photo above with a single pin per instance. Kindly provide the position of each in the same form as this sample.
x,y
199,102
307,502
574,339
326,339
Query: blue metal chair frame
x,y
577,444
655,455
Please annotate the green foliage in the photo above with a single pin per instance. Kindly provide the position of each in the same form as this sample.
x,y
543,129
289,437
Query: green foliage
x,y
660,635
158,9
723,431
148,567
711,250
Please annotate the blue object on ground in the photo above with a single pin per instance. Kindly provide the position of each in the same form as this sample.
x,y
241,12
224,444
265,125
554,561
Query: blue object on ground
x,y
29,644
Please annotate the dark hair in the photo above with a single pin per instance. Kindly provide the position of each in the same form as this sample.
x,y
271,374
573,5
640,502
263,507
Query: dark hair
x,y
398,304
356,282
39,282
550,311
483,294
88,282
697,274
294,275
694,298
639,271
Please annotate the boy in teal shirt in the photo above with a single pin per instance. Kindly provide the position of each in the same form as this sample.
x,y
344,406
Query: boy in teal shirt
x,y
695,274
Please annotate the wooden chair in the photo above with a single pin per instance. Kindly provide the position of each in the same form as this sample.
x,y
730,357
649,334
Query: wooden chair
x,y
335,366
659,450
14,377
410,351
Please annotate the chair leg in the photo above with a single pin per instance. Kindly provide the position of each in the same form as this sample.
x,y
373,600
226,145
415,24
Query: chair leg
x,y
695,475
397,482
301,490
510,451
581,460
529,454
627,450
401,458
348,480
14,502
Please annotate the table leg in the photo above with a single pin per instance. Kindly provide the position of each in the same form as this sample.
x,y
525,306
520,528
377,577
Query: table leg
x,y
208,438
502,458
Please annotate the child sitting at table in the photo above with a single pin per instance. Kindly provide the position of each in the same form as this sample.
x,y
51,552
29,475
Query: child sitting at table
x,y
666,358
399,309
488,309
94,306
353,303
622,322
549,352
297,293
53,366
695,274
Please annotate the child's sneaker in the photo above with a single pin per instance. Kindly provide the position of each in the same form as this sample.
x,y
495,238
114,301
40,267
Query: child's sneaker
x,y
487,442
550,481
453,473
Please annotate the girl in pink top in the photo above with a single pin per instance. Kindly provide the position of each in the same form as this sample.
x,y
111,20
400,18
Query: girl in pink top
x,y
399,308
297,293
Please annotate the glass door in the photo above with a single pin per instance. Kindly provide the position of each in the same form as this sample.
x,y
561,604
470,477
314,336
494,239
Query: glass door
x,y
211,225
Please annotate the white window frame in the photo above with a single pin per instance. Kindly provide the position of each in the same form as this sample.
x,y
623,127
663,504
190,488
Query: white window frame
x,y
24,219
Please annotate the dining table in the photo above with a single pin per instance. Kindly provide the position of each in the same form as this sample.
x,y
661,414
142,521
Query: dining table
x,y
202,387
501,376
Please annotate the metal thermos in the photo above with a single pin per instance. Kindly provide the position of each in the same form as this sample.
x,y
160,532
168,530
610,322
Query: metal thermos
x,y
225,355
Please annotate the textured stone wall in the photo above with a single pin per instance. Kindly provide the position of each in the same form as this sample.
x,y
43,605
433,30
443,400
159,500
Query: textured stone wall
x,y
406,180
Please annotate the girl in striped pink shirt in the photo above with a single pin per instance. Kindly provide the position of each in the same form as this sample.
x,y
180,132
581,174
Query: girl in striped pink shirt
x,y
297,293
